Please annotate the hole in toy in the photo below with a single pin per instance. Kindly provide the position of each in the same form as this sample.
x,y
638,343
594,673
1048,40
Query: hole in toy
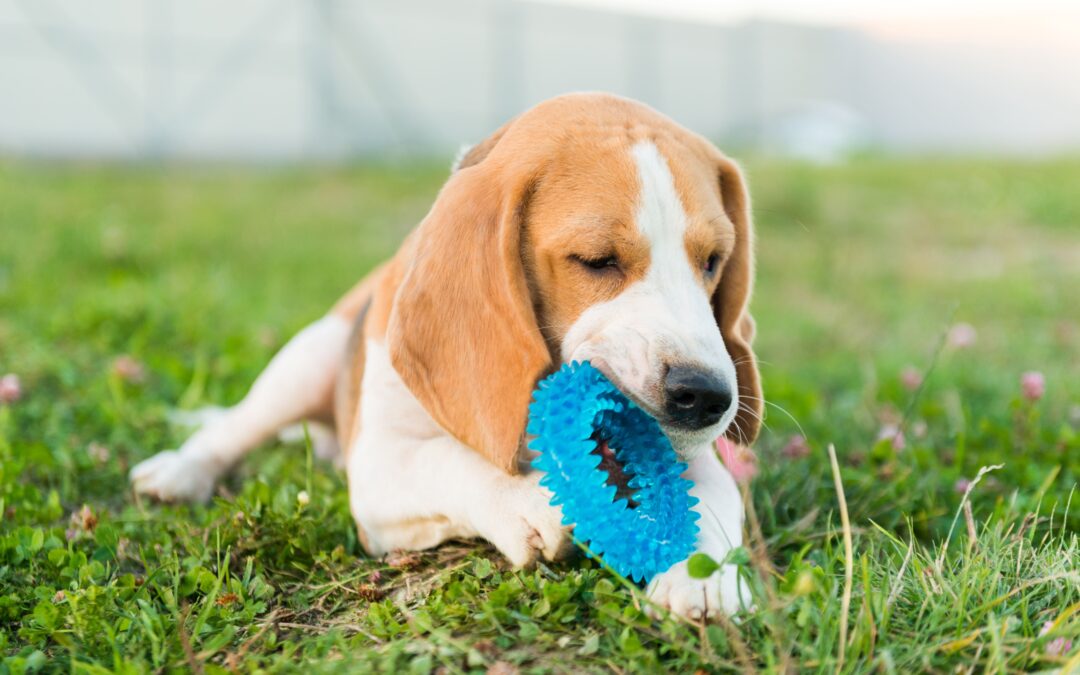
x,y
615,470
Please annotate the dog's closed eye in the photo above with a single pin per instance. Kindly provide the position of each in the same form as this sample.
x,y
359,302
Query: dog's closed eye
x,y
602,264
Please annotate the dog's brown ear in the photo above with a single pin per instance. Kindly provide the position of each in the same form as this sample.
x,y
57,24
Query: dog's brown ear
x,y
471,156
462,333
731,304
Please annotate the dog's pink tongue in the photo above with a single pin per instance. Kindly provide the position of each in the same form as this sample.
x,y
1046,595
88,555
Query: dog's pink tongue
x,y
738,459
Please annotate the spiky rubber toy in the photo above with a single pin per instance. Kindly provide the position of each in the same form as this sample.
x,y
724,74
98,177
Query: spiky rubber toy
x,y
572,408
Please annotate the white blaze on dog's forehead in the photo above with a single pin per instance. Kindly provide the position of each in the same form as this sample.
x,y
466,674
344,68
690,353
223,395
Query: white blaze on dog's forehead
x,y
660,214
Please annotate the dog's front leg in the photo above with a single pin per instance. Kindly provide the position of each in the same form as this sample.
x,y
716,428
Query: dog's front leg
x,y
413,494
413,486
721,524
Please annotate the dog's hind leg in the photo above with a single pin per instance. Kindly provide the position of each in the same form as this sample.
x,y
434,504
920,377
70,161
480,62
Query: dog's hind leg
x,y
298,384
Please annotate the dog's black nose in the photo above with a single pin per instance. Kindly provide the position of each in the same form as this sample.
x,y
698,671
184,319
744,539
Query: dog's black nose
x,y
695,398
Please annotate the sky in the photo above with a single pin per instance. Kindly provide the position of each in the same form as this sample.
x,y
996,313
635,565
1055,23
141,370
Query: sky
x,y
987,21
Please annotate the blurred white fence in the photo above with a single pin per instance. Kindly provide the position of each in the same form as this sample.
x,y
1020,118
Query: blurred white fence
x,y
284,79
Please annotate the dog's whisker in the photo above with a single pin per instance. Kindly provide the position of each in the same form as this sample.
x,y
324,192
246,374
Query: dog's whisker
x,y
755,414
778,407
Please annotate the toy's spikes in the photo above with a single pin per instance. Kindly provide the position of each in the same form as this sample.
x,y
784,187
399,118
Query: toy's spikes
x,y
568,408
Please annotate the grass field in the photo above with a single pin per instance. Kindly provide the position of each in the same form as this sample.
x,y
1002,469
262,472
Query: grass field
x,y
127,292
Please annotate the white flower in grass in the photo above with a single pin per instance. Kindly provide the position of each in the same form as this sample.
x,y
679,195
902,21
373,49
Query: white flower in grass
x,y
10,388
911,378
1033,385
1058,646
98,452
893,434
962,336
129,369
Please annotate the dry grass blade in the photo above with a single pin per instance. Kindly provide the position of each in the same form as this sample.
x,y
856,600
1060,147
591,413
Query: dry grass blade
x,y
973,532
849,564
738,645
967,493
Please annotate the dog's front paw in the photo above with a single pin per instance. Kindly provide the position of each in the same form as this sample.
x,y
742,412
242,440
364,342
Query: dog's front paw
x,y
172,476
522,523
723,592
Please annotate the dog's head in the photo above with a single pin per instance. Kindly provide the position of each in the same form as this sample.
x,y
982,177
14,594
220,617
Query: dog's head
x,y
589,228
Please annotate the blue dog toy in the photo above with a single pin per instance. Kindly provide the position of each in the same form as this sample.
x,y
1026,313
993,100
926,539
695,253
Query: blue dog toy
x,y
571,410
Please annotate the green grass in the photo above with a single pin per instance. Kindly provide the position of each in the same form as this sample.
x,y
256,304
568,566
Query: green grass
x,y
201,275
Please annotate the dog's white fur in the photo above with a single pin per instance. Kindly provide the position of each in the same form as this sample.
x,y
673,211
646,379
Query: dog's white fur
x,y
412,485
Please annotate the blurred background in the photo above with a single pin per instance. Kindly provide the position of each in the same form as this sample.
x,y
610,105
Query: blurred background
x,y
331,79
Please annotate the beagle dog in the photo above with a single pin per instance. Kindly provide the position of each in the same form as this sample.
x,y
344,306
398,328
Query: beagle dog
x,y
588,228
